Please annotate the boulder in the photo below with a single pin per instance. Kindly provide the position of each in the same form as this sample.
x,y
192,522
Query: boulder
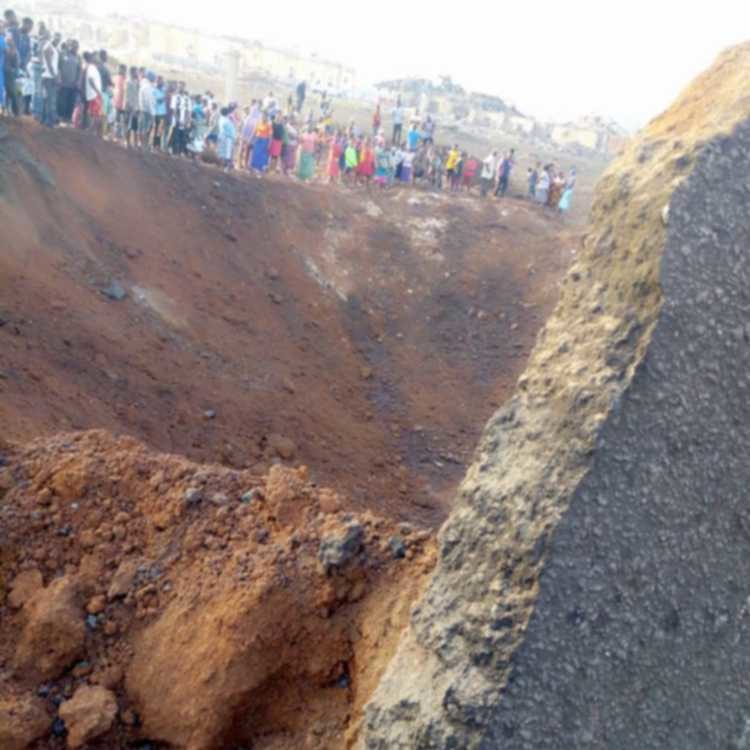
x,y
88,714
53,634
593,582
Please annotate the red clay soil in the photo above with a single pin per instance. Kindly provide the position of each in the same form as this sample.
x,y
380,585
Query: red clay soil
x,y
148,599
290,338
374,333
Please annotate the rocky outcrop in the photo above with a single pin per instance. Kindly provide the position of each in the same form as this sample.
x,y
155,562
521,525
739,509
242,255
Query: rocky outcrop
x,y
592,586
88,714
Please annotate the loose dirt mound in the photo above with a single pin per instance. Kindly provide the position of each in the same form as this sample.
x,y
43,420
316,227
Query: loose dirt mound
x,y
211,607
213,315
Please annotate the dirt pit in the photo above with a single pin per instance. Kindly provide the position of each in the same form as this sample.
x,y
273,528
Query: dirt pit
x,y
329,354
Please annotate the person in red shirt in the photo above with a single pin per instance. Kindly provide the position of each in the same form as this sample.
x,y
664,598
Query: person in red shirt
x,y
470,171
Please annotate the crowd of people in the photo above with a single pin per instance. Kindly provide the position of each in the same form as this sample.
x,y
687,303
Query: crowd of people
x,y
50,79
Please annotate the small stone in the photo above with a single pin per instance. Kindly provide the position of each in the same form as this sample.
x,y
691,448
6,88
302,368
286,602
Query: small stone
x,y
209,414
115,291
336,551
277,299
193,495
58,728
252,496
92,622
282,446
365,373
44,497
122,579
397,546
88,714
82,669
96,605
219,498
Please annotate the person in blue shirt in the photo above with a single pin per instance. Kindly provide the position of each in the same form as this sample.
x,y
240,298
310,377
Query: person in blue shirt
x,y
506,166
413,137
160,112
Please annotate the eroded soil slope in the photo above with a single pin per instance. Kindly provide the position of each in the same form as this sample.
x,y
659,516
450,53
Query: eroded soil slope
x,y
367,336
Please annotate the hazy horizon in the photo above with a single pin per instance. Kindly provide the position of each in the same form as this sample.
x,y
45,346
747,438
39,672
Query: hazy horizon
x,y
554,61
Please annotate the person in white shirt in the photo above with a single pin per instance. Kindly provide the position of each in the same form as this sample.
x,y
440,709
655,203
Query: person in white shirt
x,y
92,92
489,169
50,75
146,109
181,108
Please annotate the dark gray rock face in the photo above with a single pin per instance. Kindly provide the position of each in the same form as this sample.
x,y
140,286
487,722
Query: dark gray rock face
x,y
593,586
641,631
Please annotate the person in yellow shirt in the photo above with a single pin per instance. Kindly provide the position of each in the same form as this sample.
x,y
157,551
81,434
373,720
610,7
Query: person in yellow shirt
x,y
451,162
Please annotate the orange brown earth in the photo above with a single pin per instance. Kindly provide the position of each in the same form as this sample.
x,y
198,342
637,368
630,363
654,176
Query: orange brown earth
x,y
233,411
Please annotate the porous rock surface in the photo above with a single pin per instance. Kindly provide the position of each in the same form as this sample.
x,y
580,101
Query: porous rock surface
x,y
593,584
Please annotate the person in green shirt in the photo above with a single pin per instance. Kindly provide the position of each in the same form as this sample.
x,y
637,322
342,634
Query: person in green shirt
x,y
350,161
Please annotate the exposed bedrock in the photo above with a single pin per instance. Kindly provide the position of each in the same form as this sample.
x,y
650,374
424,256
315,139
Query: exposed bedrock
x,y
593,587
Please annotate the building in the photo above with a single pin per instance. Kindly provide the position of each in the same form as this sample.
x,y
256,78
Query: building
x,y
142,42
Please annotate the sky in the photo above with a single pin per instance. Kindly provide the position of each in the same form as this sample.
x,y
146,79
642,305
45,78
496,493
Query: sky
x,y
555,60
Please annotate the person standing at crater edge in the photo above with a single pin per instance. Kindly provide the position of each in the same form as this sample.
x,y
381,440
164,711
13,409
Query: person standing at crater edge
x,y
398,122
50,74
503,173
70,76
487,174
301,94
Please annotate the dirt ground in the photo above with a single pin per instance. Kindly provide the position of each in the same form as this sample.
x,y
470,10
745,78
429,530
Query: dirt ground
x,y
235,410
367,335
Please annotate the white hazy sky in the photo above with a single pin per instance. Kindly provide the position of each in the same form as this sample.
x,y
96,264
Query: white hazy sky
x,y
552,59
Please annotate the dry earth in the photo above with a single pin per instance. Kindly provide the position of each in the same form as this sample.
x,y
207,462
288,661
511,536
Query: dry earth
x,y
277,340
